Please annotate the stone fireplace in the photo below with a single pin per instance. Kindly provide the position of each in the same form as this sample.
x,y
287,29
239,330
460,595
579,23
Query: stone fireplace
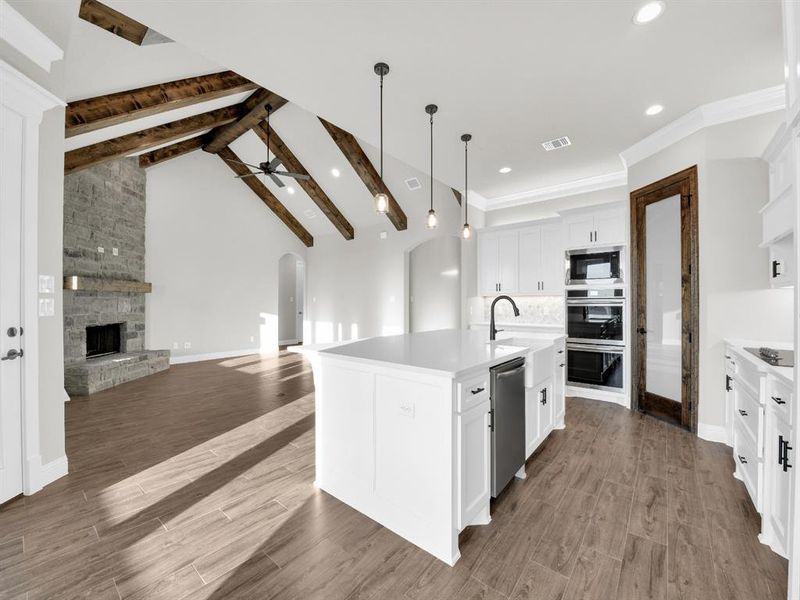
x,y
104,279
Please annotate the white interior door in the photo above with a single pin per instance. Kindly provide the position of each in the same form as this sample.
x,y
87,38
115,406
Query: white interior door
x,y
300,295
11,137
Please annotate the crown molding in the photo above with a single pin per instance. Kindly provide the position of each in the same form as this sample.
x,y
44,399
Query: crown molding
x,y
23,94
478,201
25,37
568,188
707,115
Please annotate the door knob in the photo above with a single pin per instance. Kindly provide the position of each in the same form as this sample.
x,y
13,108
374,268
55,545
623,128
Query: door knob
x,y
12,354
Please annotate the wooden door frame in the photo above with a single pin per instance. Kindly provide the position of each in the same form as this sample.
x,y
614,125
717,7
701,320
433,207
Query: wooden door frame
x,y
683,183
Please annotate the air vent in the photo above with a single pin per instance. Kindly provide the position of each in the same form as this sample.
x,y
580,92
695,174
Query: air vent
x,y
413,184
557,143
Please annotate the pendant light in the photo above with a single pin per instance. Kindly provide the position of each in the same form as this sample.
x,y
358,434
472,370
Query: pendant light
x,y
466,231
432,221
381,198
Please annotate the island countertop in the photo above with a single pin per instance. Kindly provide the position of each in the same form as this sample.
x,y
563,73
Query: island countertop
x,y
449,352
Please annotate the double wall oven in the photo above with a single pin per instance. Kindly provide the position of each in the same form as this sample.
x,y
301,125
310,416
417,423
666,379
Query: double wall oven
x,y
595,314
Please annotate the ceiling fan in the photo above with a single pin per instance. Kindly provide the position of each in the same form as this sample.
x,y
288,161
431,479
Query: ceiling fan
x,y
269,167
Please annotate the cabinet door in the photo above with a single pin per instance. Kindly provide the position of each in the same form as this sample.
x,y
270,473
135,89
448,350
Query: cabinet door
x,y
544,400
530,260
554,269
560,367
475,468
531,420
488,263
609,227
579,231
779,482
508,263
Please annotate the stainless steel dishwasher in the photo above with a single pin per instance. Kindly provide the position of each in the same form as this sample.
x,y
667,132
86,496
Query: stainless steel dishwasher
x,y
507,394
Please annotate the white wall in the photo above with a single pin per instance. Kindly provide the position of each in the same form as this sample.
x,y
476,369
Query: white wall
x,y
359,288
435,284
54,19
734,297
550,208
212,255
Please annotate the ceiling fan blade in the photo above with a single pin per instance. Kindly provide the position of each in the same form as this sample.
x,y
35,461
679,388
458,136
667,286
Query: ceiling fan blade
x,y
238,162
302,176
247,175
277,181
274,162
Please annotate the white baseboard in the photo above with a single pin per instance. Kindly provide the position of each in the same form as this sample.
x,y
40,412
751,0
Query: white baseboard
x,y
287,342
190,358
592,394
713,433
55,469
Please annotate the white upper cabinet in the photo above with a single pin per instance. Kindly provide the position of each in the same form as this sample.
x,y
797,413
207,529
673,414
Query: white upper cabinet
x,y
498,255
541,259
603,227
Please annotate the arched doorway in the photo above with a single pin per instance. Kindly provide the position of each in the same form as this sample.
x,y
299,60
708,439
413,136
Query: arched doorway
x,y
434,285
291,299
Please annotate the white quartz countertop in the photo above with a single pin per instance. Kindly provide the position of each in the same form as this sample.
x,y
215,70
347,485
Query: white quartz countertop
x,y
786,373
449,352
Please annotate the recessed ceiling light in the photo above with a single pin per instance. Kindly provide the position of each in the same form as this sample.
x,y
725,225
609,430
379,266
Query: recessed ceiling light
x,y
649,12
335,172
505,170
290,190
653,110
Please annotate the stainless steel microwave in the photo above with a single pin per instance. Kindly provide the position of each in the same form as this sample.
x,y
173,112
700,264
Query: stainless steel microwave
x,y
595,266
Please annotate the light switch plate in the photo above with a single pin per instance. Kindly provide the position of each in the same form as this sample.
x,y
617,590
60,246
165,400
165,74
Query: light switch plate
x,y
47,284
115,251
101,250
47,307
407,408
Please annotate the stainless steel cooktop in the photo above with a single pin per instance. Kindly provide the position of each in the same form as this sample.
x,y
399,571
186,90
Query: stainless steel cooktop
x,y
776,358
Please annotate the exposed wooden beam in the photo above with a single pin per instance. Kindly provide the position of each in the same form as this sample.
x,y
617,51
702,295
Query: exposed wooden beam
x,y
175,150
113,21
254,112
81,158
95,113
364,169
292,163
254,183
457,194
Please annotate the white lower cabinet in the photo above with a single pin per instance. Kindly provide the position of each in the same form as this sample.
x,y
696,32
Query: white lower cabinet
x,y
475,468
763,443
544,401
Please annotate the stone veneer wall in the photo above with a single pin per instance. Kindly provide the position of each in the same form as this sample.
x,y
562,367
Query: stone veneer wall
x,y
104,206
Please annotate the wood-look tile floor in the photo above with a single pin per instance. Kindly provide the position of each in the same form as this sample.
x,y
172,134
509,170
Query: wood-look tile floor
x,y
197,483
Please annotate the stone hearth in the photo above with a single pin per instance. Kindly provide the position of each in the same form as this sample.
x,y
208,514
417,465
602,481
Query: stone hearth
x,y
104,207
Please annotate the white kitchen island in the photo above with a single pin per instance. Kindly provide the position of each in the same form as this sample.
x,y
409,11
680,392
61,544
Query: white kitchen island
x,y
403,426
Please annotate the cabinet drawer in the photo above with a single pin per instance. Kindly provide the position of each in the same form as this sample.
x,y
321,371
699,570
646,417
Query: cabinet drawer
x,y
748,414
473,391
779,398
748,374
749,467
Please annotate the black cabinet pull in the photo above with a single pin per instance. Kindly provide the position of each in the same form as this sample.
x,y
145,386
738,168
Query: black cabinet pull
x,y
783,453
544,397
477,390
776,268
742,459
561,352
728,380
778,400
743,412
561,365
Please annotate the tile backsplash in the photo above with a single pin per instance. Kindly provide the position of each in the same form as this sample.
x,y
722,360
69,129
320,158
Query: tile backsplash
x,y
533,310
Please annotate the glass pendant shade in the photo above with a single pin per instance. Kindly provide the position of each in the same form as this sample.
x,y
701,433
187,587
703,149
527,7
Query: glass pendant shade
x,y
381,203
466,232
432,222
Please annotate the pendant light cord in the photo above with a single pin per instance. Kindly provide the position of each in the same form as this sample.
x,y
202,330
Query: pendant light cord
x,y
431,162
381,130
466,184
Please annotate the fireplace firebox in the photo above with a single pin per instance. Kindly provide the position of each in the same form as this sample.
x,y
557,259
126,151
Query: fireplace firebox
x,y
102,340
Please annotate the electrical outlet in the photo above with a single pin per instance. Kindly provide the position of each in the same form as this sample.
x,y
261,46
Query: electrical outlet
x,y
115,251
101,250
187,345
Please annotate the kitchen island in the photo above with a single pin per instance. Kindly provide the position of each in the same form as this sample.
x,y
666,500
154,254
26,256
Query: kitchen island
x,y
403,426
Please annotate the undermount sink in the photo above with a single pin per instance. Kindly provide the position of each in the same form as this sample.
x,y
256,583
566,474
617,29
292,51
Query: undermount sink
x,y
511,344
